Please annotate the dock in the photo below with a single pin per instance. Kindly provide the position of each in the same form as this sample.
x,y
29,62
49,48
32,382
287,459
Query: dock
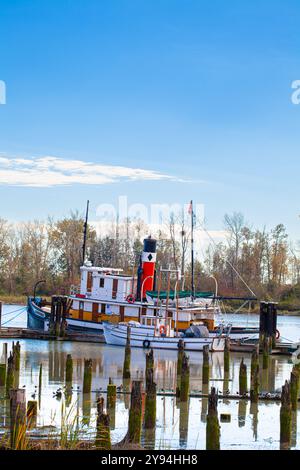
x,y
26,333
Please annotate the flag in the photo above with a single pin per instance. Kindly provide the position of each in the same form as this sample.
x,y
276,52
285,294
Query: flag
x,y
190,209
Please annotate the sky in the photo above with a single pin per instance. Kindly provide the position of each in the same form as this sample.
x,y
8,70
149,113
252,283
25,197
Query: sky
x,y
161,101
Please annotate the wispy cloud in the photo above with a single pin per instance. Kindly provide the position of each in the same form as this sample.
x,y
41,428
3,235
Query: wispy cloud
x,y
50,171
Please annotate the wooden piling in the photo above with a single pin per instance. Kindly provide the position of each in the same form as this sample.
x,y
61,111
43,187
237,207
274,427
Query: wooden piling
x,y
212,422
103,440
179,356
285,416
127,356
254,363
87,376
227,356
135,413
150,405
185,379
111,394
32,407
2,375
10,375
4,353
205,366
17,355
0,314
17,418
69,370
294,386
243,378
266,351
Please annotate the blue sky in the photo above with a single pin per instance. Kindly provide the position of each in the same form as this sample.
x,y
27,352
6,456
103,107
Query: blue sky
x,y
197,94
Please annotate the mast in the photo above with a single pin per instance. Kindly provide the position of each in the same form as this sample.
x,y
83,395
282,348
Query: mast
x,y
192,249
85,232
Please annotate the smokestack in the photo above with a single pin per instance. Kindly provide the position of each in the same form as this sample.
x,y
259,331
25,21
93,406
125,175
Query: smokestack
x,y
148,261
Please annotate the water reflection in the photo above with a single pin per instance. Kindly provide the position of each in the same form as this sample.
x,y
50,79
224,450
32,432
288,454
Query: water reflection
x,y
179,425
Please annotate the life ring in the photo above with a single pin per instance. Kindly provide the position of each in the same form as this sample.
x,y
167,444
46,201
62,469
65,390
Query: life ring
x,y
277,334
146,344
162,330
130,299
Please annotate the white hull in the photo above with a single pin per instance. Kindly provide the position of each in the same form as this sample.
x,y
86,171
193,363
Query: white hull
x,y
142,337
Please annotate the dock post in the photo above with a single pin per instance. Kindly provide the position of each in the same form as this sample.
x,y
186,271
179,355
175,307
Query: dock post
x,y
17,418
31,413
69,370
285,416
227,356
254,363
179,356
185,379
17,355
127,356
111,402
243,378
10,375
150,405
40,382
266,351
294,387
135,413
205,367
212,422
2,375
87,376
103,440
4,352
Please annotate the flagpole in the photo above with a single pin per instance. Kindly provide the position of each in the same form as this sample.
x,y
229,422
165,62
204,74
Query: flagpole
x,y
192,250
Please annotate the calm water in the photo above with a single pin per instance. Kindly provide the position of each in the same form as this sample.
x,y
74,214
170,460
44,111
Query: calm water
x,y
178,425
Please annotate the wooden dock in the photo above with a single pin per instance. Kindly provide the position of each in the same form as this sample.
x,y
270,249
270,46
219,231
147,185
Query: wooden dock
x,y
26,333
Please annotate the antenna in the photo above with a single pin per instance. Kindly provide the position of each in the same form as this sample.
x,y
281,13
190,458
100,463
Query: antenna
x,y
85,227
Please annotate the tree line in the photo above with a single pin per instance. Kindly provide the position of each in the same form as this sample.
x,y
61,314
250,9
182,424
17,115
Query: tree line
x,y
265,260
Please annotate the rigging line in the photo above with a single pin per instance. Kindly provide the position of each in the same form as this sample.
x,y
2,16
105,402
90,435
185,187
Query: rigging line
x,y
228,262
13,311
11,319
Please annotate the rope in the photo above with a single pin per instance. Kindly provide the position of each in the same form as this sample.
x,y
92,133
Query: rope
x,y
228,262
11,319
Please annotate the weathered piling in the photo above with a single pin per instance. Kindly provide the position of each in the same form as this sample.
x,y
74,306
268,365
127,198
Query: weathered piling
x,y
212,422
10,375
183,423
17,355
2,375
111,394
135,413
69,370
294,386
242,412
40,378
227,356
103,440
254,386
205,366
87,376
31,413
243,378
185,379
254,363
285,416
150,405
17,418
179,356
127,356
4,352
267,346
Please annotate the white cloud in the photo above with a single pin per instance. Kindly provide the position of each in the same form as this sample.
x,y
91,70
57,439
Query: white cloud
x,y
53,171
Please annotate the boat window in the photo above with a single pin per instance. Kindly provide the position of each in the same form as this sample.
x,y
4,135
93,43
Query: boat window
x,y
101,283
81,304
102,308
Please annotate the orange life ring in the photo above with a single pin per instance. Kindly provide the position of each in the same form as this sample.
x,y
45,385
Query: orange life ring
x,y
130,299
162,330
277,334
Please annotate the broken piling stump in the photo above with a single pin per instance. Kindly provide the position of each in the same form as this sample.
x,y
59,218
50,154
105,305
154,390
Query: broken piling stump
x,y
285,416
212,422
205,366
127,356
